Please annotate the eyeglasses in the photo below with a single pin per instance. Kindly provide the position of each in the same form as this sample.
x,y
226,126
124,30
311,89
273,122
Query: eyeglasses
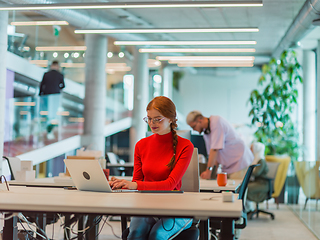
x,y
153,120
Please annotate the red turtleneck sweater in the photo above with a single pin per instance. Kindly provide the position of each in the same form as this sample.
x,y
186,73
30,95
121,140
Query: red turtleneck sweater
x,y
151,156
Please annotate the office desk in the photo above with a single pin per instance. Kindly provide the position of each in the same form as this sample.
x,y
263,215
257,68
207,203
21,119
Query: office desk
x,y
212,186
58,200
44,182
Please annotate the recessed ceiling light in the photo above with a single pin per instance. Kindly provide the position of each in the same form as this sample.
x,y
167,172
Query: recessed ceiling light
x,y
39,23
205,58
180,43
195,50
61,48
216,65
110,5
165,30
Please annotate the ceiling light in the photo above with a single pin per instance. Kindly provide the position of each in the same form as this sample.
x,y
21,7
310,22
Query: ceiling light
x,y
63,113
66,55
41,63
75,119
73,65
179,43
110,54
157,78
165,30
31,104
153,63
113,66
194,50
108,5
61,48
44,113
39,23
76,55
55,54
206,58
209,61
121,54
217,65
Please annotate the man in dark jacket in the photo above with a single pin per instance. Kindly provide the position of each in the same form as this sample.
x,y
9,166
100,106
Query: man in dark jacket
x,y
52,81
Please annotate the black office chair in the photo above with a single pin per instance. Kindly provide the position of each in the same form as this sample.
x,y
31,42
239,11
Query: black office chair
x,y
273,167
216,224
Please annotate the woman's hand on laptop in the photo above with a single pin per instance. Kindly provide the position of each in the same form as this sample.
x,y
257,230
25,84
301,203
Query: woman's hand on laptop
x,y
121,183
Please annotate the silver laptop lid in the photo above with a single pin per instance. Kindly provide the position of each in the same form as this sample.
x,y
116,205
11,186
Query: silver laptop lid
x,y
87,175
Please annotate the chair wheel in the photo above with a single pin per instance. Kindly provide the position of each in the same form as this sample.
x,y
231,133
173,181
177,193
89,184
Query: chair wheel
x,y
272,217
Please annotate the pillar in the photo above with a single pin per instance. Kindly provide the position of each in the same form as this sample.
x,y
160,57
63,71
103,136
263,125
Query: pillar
x,y
167,82
3,69
318,104
309,105
95,92
141,99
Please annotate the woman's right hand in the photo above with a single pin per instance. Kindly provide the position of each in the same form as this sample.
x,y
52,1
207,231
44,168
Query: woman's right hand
x,y
121,183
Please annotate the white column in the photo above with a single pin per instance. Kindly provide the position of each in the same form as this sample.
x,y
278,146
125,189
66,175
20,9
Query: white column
x,y
141,99
167,82
95,92
318,104
309,105
3,76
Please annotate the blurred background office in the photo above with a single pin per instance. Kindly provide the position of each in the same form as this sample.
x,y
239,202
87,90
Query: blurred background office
x,y
215,66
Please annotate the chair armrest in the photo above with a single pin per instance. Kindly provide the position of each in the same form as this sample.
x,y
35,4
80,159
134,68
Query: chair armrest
x,y
270,184
244,223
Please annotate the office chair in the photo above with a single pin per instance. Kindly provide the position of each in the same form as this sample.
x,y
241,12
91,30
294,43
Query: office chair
x,y
281,175
309,179
13,165
216,224
262,196
190,183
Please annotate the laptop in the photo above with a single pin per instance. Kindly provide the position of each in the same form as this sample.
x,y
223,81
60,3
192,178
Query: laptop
x,y
88,175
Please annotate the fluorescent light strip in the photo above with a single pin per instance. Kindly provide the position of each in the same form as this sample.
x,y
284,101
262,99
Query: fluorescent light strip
x,y
73,65
41,63
194,50
110,5
25,104
205,58
82,65
61,48
165,30
110,67
216,65
39,23
179,43
210,62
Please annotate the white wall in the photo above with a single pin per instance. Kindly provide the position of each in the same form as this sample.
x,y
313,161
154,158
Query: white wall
x,y
223,92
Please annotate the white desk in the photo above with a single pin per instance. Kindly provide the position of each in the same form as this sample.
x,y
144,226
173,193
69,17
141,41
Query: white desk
x,y
58,200
44,182
212,186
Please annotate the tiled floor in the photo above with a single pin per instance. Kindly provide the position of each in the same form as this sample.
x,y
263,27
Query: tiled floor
x,y
285,226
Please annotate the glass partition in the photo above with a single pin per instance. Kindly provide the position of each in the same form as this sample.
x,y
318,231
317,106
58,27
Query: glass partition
x,y
308,194
34,122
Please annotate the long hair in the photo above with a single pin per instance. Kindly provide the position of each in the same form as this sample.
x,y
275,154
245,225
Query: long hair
x,y
167,108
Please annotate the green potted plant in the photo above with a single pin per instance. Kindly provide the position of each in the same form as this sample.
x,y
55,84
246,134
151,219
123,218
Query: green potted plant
x,y
272,109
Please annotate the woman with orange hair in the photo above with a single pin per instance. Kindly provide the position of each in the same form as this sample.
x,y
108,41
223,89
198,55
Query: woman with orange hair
x,y
160,161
